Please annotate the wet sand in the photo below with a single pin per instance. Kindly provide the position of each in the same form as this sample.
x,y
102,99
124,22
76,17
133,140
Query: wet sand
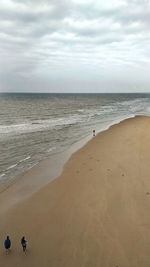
x,y
95,214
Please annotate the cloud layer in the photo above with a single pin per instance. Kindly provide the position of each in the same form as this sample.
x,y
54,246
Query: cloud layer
x,y
74,46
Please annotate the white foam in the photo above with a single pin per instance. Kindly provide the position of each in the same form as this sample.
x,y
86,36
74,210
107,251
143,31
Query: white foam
x,y
22,160
11,167
38,125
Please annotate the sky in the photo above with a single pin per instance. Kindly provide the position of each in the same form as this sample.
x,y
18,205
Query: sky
x,y
75,46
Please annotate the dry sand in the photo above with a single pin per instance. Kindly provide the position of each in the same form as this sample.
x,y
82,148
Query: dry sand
x,y
96,214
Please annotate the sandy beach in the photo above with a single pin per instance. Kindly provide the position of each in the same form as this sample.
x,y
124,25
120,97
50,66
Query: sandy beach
x,y
96,213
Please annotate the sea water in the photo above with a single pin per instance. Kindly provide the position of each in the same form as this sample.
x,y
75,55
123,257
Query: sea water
x,y
35,126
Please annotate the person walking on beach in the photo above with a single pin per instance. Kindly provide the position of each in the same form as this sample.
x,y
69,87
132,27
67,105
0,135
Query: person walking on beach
x,y
7,244
93,133
24,244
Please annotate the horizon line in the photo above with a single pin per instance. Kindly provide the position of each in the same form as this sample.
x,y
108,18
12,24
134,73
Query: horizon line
x,y
74,93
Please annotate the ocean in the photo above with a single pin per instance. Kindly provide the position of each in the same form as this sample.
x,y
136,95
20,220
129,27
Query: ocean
x,y
36,126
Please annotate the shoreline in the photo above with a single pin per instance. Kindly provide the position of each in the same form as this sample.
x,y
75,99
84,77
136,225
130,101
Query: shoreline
x,y
32,180
61,157
96,213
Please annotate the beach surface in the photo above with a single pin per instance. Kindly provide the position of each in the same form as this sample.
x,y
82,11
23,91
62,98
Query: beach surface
x,y
96,213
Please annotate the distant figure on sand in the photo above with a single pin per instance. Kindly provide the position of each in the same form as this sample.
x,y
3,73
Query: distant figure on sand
x,y
93,132
7,244
24,244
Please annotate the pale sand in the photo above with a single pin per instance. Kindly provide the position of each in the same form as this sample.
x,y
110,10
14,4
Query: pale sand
x,y
96,214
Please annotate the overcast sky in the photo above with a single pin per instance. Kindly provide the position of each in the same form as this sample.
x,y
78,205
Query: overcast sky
x,y
74,46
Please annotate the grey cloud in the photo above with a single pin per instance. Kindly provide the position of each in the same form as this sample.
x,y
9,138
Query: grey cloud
x,y
40,40
35,11
132,12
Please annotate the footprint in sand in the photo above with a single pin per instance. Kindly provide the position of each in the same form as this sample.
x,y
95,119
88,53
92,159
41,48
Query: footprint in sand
x,y
147,193
123,174
90,169
108,169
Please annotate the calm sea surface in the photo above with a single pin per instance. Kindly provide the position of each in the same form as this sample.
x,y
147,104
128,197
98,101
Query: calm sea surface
x,y
34,126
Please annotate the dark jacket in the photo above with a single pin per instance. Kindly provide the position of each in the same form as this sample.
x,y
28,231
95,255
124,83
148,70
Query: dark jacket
x,y
7,243
23,242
